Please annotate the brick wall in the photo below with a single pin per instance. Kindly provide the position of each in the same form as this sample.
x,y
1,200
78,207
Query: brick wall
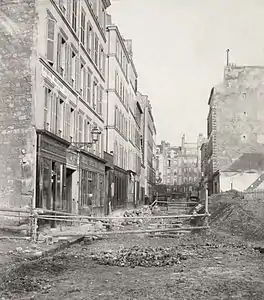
x,y
239,114
17,145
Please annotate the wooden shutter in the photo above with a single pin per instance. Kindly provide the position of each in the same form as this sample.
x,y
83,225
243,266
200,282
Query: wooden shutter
x,y
59,43
69,6
84,84
67,62
76,125
92,44
77,73
50,40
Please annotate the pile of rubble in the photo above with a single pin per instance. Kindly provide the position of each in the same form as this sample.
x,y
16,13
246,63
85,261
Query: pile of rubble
x,y
141,212
141,256
230,215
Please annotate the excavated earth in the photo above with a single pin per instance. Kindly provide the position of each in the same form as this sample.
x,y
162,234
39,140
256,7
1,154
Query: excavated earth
x,y
222,263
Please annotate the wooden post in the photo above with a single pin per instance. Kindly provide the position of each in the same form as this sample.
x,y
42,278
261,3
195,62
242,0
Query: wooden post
x,y
35,226
206,206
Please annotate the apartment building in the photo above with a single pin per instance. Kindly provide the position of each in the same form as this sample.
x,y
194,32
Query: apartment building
x,y
180,166
148,145
123,115
235,130
53,90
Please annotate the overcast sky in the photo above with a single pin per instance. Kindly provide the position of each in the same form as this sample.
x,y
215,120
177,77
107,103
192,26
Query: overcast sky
x,y
180,52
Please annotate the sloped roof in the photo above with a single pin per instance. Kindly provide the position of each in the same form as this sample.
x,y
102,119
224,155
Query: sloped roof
x,y
248,162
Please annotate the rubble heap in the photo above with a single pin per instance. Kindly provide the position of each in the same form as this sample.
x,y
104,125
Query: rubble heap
x,y
140,256
230,215
141,212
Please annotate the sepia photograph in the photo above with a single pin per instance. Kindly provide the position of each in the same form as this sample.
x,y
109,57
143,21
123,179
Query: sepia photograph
x,y
132,149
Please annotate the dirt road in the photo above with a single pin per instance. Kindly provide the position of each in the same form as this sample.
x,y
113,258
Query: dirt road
x,y
214,267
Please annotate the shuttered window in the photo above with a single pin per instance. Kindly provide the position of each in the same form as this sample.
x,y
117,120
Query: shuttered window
x,y
89,86
50,40
83,27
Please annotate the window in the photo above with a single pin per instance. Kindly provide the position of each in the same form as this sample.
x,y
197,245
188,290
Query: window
x,y
100,101
94,94
87,130
82,80
62,5
60,116
116,116
72,123
83,27
116,82
50,40
74,15
67,121
89,38
95,7
83,84
61,55
96,45
73,69
47,104
80,126
89,86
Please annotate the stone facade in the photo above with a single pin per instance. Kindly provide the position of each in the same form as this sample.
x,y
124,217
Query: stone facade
x,y
123,116
17,86
52,96
235,120
180,166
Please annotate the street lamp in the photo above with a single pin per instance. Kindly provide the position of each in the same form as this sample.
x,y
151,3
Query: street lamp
x,y
95,134
95,137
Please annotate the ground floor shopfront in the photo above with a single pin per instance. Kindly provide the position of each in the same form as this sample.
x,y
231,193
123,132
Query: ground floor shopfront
x,y
68,180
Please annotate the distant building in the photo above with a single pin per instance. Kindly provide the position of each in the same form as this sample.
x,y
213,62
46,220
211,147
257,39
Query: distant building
x,y
235,130
180,166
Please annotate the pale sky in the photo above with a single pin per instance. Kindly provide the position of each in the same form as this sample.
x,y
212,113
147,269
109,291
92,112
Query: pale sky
x,y
179,51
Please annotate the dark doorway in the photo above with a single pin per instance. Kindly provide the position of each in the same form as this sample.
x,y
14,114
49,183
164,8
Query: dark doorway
x,y
67,203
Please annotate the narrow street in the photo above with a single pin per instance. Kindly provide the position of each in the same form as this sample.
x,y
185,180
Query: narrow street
x,y
212,266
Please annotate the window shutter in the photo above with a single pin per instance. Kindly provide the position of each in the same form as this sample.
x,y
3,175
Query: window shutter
x,y
70,66
67,62
76,125
59,42
59,107
92,44
77,74
84,84
65,116
69,3
50,40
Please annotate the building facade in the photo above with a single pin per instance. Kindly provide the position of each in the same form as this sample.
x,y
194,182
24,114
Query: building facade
x,y
53,153
148,134
180,166
123,115
235,129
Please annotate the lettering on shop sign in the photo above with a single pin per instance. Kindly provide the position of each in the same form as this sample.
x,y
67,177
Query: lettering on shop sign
x,y
47,74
